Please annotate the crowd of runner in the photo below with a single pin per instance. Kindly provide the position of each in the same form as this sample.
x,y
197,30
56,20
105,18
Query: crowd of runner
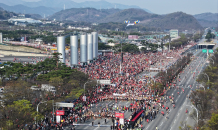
x,y
123,78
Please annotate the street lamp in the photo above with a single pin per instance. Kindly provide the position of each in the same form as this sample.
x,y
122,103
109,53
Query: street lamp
x,y
202,87
121,59
37,108
85,86
214,56
207,77
212,59
195,109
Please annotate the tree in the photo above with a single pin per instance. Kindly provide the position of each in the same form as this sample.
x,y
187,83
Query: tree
x,y
56,81
102,46
56,58
184,126
19,113
209,36
143,49
110,41
213,122
131,48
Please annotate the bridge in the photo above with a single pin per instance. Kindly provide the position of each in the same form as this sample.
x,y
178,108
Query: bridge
x,y
208,45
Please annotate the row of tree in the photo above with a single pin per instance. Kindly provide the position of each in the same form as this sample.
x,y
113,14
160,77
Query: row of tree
x,y
19,102
205,98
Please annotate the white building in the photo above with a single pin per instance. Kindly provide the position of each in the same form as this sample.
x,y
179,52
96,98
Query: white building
x,y
22,19
174,33
39,41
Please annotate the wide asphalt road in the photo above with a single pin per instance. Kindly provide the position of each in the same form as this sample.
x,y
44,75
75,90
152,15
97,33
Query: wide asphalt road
x,y
103,126
182,102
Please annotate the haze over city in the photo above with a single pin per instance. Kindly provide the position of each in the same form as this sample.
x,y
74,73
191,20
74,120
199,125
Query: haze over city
x,y
168,6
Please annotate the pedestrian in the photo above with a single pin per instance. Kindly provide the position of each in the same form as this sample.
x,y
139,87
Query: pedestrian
x,y
105,120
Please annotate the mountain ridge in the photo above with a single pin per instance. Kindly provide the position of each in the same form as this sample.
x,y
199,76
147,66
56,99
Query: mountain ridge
x,y
41,10
207,19
168,21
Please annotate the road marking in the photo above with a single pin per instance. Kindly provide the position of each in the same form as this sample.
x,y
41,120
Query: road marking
x,y
161,124
148,126
96,128
186,118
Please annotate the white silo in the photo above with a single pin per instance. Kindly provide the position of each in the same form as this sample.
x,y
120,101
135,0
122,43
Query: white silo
x,y
95,45
83,49
0,37
61,48
90,48
74,50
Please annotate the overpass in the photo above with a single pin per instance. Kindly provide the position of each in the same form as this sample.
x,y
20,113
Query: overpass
x,y
208,45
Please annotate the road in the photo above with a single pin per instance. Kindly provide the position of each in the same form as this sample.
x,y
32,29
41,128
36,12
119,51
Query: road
x,y
22,59
176,115
182,102
103,126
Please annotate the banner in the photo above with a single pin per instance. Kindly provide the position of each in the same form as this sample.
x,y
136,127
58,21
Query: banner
x,y
116,94
59,112
119,115
58,119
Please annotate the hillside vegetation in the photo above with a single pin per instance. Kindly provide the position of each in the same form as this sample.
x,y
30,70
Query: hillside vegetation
x,y
83,14
5,14
207,19
177,20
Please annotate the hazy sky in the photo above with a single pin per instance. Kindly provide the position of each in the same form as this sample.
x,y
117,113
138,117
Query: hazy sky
x,y
169,6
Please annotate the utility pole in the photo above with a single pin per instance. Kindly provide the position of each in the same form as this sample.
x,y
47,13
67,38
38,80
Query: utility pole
x,y
53,109
121,59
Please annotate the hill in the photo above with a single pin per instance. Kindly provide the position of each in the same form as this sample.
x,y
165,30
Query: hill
x,y
33,16
207,16
83,14
41,10
177,20
4,15
207,19
87,4
131,14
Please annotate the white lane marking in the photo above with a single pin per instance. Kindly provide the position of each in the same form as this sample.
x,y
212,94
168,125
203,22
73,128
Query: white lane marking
x,y
148,126
96,128
88,126
186,119
161,124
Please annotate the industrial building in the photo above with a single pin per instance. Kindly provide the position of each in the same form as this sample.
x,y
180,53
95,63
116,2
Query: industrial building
x,y
61,48
20,19
83,49
88,48
74,50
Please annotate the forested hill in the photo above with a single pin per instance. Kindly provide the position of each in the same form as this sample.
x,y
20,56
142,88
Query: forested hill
x,y
177,20
4,15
